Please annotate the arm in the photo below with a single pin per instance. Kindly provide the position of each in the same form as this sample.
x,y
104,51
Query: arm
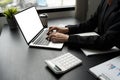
x,y
108,40
87,26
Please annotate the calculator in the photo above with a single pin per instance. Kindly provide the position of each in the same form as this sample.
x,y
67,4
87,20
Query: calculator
x,y
63,63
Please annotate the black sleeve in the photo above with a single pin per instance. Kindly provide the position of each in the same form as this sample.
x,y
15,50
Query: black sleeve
x,y
106,41
87,26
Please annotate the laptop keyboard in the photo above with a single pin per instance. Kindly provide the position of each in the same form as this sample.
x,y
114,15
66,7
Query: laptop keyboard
x,y
41,40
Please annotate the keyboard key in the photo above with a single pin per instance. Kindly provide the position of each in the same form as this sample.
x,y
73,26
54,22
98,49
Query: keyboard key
x,y
41,40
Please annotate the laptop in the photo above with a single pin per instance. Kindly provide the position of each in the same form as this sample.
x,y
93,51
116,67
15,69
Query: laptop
x,y
32,29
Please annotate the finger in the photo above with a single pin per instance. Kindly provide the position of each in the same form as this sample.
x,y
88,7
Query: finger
x,y
54,39
47,38
51,29
59,39
49,32
51,35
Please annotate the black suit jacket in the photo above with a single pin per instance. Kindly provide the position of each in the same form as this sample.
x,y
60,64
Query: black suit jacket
x,y
107,21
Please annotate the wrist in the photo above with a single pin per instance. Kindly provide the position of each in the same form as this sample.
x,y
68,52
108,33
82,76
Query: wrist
x,y
66,30
67,37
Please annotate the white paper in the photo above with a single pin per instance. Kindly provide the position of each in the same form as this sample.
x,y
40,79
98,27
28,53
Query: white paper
x,y
88,34
89,52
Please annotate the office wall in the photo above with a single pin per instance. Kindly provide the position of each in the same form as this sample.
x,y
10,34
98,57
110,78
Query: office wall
x,y
81,9
92,6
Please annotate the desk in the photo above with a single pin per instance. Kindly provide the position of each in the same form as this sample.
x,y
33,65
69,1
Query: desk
x,y
19,62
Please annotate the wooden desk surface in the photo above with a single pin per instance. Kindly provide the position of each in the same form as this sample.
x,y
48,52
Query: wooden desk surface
x,y
19,62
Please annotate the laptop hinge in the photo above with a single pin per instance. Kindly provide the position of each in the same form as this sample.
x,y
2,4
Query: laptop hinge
x,y
36,36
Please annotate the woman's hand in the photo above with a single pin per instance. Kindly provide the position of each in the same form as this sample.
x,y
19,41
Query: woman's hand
x,y
57,29
57,37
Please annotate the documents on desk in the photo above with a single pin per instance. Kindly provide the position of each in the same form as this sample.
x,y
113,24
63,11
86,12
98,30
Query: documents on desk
x,y
109,70
89,52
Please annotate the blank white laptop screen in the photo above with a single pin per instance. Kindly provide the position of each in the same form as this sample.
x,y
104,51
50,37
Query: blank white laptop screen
x,y
29,23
